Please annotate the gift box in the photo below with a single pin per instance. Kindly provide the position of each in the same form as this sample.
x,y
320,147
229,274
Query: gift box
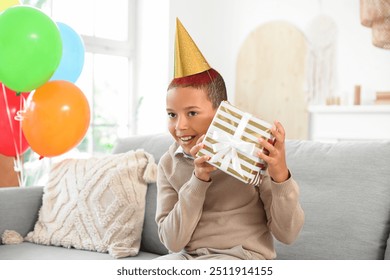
x,y
232,142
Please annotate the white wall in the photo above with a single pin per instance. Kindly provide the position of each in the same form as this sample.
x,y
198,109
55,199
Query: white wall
x,y
219,27
151,77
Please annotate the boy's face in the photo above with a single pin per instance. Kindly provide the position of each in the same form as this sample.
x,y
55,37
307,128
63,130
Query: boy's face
x,y
190,113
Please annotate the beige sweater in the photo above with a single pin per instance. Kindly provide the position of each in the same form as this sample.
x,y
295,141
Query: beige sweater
x,y
224,213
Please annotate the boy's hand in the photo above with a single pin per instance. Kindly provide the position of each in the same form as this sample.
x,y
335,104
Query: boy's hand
x,y
202,168
276,155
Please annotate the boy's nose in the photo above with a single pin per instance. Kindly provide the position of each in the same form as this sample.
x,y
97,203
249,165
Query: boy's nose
x,y
182,123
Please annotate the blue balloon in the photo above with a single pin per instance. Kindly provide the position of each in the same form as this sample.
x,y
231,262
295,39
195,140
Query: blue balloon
x,y
72,60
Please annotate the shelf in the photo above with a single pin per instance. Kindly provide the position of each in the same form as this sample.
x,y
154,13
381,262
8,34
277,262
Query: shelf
x,y
340,123
349,109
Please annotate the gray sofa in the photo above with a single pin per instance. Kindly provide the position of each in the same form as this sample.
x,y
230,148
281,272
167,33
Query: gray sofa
x,y
345,193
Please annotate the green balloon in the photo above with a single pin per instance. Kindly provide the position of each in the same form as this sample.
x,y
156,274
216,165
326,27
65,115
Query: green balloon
x,y
30,48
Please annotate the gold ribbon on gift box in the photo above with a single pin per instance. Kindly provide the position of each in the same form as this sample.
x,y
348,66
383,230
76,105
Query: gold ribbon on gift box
x,y
232,143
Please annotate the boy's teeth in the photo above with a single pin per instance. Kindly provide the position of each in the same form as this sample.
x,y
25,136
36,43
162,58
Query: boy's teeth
x,y
186,138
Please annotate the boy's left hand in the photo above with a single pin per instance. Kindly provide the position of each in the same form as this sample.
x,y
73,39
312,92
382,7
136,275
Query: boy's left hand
x,y
202,168
276,155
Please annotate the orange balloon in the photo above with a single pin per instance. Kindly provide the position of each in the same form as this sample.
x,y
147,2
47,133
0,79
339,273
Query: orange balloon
x,y
57,118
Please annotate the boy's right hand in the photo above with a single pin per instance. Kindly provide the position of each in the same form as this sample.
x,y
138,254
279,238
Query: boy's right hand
x,y
202,168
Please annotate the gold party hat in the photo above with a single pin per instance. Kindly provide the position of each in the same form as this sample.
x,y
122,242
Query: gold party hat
x,y
188,58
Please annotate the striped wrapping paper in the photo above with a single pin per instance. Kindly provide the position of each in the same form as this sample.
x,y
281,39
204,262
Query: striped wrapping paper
x,y
232,143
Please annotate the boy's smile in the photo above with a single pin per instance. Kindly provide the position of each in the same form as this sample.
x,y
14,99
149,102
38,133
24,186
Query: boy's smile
x,y
190,113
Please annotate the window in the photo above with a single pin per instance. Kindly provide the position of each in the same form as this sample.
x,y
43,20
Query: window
x,y
108,31
113,80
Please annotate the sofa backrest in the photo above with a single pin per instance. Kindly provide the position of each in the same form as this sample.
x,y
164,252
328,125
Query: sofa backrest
x,y
156,145
345,193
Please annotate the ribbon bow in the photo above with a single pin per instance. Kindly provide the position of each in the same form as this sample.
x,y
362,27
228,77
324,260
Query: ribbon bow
x,y
226,149
227,146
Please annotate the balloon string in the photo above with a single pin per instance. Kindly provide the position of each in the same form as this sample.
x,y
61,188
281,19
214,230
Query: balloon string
x,y
9,117
19,117
19,170
17,160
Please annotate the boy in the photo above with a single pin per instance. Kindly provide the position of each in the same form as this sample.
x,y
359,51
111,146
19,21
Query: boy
x,y
202,212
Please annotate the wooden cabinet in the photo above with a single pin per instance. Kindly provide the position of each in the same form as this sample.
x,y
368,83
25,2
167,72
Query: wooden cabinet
x,y
338,123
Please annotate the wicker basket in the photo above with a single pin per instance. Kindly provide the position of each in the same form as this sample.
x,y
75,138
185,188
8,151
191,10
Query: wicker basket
x,y
376,14
381,33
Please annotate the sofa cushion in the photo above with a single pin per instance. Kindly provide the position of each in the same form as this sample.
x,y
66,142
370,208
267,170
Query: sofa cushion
x,y
19,208
31,251
345,193
96,204
156,145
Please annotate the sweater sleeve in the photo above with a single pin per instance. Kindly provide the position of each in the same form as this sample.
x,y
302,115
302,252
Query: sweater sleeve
x,y
178,212
284,213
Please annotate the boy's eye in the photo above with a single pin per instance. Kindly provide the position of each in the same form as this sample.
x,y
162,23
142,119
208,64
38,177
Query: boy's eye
x,y
192,113
171,115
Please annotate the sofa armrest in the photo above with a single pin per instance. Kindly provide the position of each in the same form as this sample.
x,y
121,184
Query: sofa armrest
x,y
19,208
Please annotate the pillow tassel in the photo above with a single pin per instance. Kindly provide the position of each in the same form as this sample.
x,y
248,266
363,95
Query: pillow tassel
x,y
11,237
122,250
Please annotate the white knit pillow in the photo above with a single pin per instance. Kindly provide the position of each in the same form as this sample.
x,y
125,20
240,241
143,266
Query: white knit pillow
x,y
96,204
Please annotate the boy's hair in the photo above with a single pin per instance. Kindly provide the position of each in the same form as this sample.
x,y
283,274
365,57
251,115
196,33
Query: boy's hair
x,y
210,81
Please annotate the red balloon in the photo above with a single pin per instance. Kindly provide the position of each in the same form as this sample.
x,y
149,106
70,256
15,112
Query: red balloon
x,y
12,140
